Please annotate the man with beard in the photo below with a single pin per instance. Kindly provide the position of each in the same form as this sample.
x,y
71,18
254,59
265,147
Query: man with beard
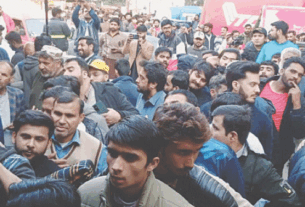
x,y
226,57
209,36
15,42
112,44
163,55
138,50
267,69
150,82
198,46
278,42
286,97
89,26
243,78
168,38
259,38
247,34
292,36
85,49
175,80
31,136
200,76
50,66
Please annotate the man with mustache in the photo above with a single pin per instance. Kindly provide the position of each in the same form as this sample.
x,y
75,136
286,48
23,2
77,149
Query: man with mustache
x,y
243,78
163,55
267,69
286,97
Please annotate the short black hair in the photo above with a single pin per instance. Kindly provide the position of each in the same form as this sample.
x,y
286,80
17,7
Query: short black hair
x,y
293,32
297,60
276,55
81,62
281,25
248,25
156,20
180,79
155,73
54,92
137,132
214,53
235,31
56,11
34,118
142,28
237,71
231,50
190,97
208,25
227,98
69,97
89,40
122,66
166,22
13,36
116,20
216,81
65,81
41,41
186,62
275,66
163,49
236,118
225,28
46,192
206,68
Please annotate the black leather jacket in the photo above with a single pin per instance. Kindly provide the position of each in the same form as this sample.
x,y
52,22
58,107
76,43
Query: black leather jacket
x,y
202,189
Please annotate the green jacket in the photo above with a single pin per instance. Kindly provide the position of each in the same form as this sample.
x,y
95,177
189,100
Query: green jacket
x,y
97,193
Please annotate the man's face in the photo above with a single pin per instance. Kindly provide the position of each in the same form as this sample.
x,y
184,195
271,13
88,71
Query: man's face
x,y
48,67
156,24
98,75
273,33
266,71
249,87
142,35
169,85
214,61
5,75
223,32
66,118
206,56
198,42
128,17
206,29
218,130
134,20
291,37
235,35
248,29
178,157
73,69
167,30
87,17
114,27
215,92
176,98
47,105
163,58
84,50
258,39
127,166
227,58
142,82
292,73
276,60
197,80
31,141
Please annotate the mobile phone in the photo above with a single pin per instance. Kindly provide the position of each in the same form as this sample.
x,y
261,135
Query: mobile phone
x,y
135,36
100,107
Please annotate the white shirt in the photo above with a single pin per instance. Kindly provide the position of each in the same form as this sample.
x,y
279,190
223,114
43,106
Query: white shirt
x,y
5,110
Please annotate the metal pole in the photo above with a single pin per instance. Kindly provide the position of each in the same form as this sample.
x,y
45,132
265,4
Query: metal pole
x,y
46,10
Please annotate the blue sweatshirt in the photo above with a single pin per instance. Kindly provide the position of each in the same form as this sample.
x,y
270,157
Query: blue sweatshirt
x,y
271,48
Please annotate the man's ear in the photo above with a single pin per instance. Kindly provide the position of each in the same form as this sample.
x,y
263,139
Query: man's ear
x,y
14,137
82,116
213,93
281,71
233,137
153,164
235,86
91,47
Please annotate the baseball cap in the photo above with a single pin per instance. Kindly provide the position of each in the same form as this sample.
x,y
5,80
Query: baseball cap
x,y
54,52
199,35
99,65
260,30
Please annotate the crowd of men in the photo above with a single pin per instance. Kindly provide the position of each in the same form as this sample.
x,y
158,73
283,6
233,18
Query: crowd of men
x,y
199,120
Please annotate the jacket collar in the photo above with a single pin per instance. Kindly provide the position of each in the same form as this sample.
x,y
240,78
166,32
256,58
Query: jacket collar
x,y
122,78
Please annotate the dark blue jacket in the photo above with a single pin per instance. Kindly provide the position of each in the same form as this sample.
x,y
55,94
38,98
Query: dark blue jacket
x,y
203,95
1,132
127,86
221,160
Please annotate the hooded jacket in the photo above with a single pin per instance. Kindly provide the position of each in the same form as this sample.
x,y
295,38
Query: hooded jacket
x,y
128,87
16,164
173,42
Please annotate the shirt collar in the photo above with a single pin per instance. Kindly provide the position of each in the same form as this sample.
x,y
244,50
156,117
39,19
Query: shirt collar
x,y
87,58
117,33
75,139
153,100
242,152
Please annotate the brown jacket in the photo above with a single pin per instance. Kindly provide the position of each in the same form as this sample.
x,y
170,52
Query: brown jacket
x,y
97,193
117,42
145,52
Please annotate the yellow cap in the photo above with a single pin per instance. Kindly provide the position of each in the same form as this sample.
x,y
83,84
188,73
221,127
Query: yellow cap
x,y
99,65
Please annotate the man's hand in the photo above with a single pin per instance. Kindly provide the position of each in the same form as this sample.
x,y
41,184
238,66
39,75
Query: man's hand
x,y
62,163
295,94
130,38
112,116
87,6
141,41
